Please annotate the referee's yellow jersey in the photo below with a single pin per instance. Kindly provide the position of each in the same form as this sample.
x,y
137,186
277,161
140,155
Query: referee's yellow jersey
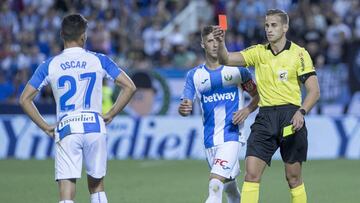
x,y
277,75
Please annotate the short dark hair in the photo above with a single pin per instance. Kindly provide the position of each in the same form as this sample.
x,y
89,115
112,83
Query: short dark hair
x,y
283,15
73,26
206,31
143,79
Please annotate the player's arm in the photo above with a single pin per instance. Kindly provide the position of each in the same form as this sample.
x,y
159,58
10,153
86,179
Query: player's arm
x,y
128,89
312,96
241,115
225,57
312,93
252,106
307,76
27,104
230,58
185,107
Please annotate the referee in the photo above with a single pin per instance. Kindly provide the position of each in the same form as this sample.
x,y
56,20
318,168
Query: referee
x,y
280,68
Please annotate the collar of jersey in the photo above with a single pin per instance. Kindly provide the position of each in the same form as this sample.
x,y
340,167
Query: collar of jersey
x,y
73,49
211,70
286,47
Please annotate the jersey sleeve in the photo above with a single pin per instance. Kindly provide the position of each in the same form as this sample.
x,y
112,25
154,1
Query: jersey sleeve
x,y
245,75
250,55
109,66
189,88
306,65
40,77
247,83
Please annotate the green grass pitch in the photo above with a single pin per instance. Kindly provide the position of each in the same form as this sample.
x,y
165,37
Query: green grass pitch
x,y
158,181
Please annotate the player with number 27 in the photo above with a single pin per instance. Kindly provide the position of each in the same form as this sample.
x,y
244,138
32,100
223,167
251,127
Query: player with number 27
x,y
76,77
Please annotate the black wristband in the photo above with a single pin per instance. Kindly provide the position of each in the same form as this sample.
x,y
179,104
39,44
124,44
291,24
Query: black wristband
x,y
302,111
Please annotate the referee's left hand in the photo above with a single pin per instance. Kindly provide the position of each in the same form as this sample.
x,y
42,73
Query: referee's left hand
x,y
297,121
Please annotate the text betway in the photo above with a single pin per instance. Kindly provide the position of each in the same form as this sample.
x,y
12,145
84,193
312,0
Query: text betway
x,y
219,97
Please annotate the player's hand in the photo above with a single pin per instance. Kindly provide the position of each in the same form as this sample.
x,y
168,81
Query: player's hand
x,y
240,116
50,131
297,121
107,118
219,34
185,107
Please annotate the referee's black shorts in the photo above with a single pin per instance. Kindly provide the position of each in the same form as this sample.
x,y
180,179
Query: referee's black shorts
x,y
267,135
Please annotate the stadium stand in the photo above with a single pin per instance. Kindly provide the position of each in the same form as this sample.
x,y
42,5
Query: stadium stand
x,y
159,34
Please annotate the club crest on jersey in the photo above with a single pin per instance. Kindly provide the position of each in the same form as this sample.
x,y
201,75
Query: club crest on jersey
x,y
228,77
283,75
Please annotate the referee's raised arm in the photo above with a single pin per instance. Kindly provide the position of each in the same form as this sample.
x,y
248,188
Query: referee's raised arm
x,y
225,57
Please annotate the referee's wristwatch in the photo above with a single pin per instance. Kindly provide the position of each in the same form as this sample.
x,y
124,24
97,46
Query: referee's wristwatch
x,y
302,111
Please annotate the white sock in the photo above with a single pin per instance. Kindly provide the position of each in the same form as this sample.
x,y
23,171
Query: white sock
x,y
215,191
66,201
232,192
99,197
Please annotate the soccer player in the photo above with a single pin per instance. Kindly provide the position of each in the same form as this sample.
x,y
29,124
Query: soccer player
x,y
220,91
76,76
280,68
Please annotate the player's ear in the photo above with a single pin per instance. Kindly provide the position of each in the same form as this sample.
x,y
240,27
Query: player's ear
x,y
83,37
286,27
61,34
202,44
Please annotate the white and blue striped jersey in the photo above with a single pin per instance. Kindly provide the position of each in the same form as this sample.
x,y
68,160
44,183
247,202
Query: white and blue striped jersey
x,y
76,77
220,94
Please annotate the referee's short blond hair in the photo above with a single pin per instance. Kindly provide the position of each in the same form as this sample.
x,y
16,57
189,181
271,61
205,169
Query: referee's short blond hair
x,y
283,15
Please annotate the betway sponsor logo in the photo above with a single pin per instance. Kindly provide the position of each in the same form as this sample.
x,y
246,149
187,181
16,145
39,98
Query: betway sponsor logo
x,y
219,97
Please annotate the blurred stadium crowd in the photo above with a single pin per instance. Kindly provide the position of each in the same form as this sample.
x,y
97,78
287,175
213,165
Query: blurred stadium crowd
x,y
132,33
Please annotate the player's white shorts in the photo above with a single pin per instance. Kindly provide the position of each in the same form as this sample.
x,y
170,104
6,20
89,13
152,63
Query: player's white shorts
x,y
71,150
223,159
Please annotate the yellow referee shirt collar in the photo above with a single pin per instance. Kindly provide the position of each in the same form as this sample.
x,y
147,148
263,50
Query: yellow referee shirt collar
x,y
286,47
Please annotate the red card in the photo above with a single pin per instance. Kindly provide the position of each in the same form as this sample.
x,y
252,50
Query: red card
x,y
223,22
